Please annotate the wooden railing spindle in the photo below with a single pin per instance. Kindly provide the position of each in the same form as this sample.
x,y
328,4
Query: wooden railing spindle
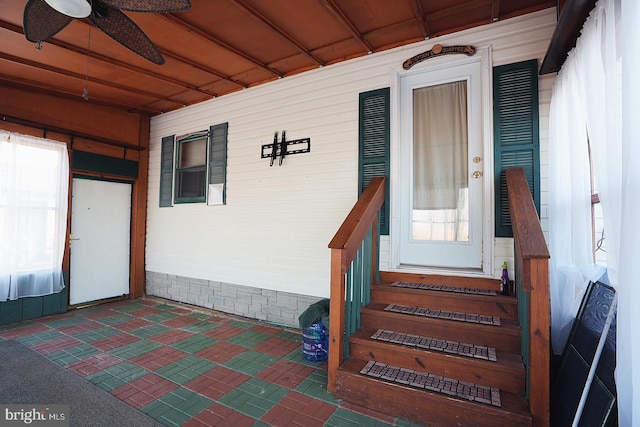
x,y
357,237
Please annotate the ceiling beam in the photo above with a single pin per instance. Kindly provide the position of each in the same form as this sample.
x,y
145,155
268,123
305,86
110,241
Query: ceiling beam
x,y
460,8
201,67
333,8
275,28
69,132
83,77
83,51
61,92
391,28
418,11
212,39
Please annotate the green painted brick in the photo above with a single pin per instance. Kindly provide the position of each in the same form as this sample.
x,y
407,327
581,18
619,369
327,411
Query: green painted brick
x,y
40,337
199,316
129,307
67,321
248,339
200,327
254,397
315,385
149,331
345,418
73,354
176,407
117,376
186,369
288,335
161,317
251,362
117,318
135,349
241,324
164,307
96,334
194,344
296,356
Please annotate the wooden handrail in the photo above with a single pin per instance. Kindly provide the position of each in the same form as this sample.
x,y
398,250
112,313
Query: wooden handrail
x,y
532,257
344,246
356,224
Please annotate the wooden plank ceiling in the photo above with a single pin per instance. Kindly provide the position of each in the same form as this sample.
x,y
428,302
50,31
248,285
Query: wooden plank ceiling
x,y
222,46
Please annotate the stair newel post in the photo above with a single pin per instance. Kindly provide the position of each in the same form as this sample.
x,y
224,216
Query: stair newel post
x,y
539,347
336,315
532,279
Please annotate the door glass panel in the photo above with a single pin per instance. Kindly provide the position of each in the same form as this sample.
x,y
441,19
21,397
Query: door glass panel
x,y
440,209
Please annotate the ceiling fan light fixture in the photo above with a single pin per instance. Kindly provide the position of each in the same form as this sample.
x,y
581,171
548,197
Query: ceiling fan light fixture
x,y
72,8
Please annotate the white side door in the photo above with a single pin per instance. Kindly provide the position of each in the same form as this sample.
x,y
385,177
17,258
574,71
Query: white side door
x,y
441,183
100,240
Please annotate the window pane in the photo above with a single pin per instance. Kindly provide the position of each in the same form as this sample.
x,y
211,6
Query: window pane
x,y
193,153
190,183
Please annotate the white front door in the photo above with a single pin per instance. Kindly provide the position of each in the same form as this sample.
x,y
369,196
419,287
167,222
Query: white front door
x,y
441,183
100,240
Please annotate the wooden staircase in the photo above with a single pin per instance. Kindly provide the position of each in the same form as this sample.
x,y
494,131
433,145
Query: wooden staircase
x,y
463,359
430,368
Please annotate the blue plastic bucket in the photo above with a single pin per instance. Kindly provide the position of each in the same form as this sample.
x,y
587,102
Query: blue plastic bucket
x,y
315,343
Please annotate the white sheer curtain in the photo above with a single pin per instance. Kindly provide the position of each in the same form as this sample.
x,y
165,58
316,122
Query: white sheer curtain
x,y
34,181
440,178
571,265
598,92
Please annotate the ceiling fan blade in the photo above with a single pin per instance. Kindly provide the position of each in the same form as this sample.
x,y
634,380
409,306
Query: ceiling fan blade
x,y
119,27
41,21
156,6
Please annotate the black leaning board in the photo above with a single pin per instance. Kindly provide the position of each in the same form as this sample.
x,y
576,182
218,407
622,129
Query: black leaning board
x,y
600,408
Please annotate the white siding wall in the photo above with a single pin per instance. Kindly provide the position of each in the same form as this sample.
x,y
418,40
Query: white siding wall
x,y
274,230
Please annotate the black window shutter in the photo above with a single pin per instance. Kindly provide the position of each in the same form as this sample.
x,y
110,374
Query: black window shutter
x,y
218,157
374,137
516,134
166,171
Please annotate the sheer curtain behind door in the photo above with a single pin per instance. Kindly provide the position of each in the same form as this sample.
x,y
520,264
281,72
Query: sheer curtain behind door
x,y
34,181
440,171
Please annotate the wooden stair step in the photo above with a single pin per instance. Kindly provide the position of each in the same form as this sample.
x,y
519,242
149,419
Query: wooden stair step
x,y
446,297
443,288
503,334
506,371
443,314
432,382
468,282
435,344
429,399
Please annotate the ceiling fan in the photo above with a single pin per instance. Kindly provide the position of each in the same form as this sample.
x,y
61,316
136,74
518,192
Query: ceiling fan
x,y
44,19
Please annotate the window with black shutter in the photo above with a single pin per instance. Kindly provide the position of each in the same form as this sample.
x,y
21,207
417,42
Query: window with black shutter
x,y
193,167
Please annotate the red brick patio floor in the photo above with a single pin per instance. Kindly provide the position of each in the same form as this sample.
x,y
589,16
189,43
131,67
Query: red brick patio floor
x,y
194,367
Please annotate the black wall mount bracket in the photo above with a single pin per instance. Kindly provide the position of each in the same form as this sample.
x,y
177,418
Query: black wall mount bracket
x,y
279,150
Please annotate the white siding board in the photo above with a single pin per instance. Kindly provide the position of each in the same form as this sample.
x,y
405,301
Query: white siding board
x,y
274,230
